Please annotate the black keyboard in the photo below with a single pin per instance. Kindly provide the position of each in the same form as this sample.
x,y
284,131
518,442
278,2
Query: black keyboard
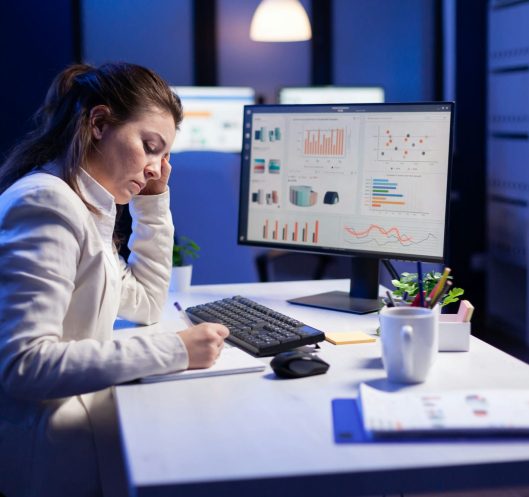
x,y
255,327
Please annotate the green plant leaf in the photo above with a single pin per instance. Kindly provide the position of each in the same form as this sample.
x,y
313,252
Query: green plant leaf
x,y
184,250
452,296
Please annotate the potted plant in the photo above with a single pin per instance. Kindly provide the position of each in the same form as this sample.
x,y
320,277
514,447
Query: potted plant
x,y
407,287
184,251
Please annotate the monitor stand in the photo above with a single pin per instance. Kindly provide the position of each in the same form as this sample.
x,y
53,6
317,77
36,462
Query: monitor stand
x,y
363,294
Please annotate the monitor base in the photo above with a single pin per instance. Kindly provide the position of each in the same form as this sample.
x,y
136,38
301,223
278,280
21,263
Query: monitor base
x,y
339,301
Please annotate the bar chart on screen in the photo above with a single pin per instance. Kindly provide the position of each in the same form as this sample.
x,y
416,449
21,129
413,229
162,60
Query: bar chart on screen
x,y
290,231
405,195
324,142
383,192
330,143
268,134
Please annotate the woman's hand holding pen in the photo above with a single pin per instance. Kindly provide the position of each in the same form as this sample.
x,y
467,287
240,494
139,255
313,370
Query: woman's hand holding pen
x,y
204,343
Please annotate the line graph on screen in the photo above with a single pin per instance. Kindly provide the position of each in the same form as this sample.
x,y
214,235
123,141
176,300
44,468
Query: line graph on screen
x,y
404,236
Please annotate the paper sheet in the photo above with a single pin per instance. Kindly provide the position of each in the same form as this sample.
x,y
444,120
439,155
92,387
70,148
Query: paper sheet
x,y
458,411
231,361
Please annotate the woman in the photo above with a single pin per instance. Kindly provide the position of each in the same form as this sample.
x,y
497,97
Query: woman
x,y
102,138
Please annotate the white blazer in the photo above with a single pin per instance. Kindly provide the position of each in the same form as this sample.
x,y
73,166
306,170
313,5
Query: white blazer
x,y
62,286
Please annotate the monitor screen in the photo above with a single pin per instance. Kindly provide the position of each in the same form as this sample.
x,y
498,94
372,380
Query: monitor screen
x,y
367,180
212,117
331,95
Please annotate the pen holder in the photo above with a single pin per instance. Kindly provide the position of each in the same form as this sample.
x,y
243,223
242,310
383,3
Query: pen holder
x,y
454,335
180,278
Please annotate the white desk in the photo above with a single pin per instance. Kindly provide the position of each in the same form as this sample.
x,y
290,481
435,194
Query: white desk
x,y
254,435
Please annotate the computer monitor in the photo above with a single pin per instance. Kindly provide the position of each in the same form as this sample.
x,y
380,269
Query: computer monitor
x,y
331,95
364,180
212,117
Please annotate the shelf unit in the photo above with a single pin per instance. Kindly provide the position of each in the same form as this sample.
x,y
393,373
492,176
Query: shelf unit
x,y
508,167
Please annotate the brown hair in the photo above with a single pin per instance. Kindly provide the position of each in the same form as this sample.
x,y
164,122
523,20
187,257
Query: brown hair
x,y
62,130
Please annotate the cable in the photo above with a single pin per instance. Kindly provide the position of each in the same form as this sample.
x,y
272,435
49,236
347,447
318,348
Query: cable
x,y
391,269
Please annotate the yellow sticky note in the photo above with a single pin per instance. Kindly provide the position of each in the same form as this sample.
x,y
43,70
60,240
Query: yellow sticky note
x,y
349,337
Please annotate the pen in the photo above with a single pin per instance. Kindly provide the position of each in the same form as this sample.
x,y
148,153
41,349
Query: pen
x,y
183,315
441,294
419,280
391,302
440,284
416,300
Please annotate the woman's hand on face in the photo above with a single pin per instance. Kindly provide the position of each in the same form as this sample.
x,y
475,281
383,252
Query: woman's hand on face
x,y
204,343
159,185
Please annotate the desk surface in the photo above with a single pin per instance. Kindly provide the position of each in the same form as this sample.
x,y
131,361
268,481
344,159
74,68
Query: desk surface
x,y
255,435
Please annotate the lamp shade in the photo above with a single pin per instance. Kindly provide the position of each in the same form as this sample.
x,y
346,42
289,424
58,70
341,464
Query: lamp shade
x,y
280,20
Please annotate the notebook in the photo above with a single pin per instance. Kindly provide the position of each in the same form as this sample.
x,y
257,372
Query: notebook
x,y
232,360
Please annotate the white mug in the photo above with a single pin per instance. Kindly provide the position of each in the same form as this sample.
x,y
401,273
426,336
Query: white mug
x,y
410,337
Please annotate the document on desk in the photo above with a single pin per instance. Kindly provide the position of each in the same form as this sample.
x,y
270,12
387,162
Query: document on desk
x,y
458,412
231,361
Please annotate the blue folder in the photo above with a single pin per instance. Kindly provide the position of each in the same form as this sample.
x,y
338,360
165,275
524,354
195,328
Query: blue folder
x,y
348,428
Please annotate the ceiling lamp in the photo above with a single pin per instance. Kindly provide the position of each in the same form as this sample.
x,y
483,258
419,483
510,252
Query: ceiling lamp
x,y
280,20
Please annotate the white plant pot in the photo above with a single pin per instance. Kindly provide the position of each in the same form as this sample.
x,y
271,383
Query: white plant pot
x,y
180,278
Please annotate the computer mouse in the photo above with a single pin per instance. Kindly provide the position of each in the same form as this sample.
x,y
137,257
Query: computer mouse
x,y
297,364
